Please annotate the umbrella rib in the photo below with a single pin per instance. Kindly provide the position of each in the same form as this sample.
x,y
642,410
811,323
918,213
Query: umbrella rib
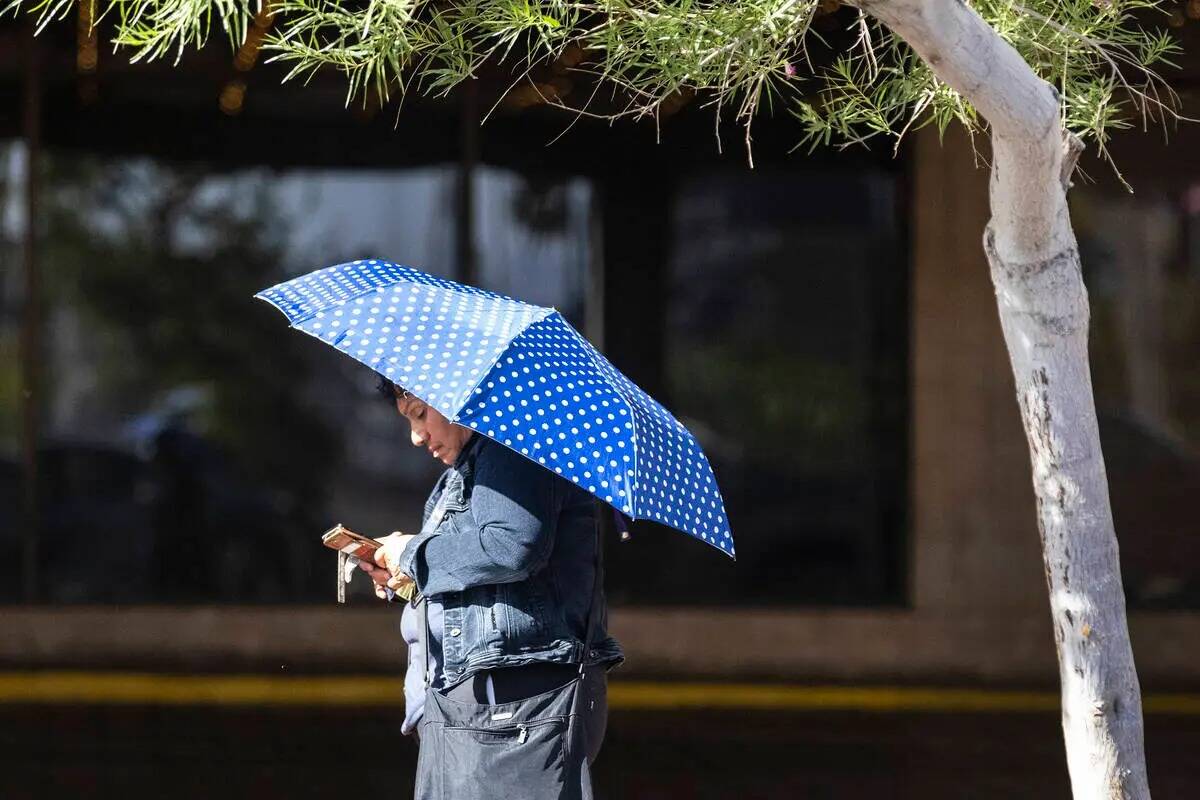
x,y
312,314
483,375
633,440
394,280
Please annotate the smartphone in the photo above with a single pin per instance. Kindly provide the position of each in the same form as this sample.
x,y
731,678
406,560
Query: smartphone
x,y
341,538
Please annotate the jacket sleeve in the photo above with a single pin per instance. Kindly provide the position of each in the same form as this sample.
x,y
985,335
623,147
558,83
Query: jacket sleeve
x,y
505,535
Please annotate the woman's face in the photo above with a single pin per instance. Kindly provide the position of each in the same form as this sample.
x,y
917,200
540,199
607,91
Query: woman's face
x,y
429,429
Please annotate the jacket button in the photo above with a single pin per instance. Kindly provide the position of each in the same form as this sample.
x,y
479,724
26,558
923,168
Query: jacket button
x,y
455,631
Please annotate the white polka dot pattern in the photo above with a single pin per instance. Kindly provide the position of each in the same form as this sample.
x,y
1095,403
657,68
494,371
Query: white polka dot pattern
x,y
519,374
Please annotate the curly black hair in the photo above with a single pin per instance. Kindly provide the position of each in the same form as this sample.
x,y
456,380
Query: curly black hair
x,y
388,389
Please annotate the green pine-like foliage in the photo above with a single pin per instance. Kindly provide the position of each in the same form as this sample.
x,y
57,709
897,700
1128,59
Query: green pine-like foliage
x,y
740,56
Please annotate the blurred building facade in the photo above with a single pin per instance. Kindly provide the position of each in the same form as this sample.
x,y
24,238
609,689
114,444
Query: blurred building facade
x,y
824,323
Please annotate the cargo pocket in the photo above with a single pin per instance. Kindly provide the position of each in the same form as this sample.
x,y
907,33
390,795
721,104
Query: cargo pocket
x,y
525,761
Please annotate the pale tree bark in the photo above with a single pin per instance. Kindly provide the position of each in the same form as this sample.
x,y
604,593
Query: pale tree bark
x,y
1043,306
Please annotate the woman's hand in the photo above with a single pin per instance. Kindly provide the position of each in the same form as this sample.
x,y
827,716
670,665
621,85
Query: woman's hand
x,y
386,569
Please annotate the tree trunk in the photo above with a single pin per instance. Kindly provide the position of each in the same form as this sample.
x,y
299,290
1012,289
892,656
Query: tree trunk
x,y
1044,313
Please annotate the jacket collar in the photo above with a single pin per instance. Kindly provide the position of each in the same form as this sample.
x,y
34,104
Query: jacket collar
x,y
472,445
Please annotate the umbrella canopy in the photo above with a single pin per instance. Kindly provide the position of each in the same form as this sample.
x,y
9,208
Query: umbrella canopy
x,y
519,374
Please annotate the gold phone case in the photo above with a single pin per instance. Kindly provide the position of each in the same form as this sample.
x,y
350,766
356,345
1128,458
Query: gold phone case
x,y
347,541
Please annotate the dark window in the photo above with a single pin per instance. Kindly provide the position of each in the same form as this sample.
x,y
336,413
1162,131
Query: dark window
x,y
193,448
784,352
1141,262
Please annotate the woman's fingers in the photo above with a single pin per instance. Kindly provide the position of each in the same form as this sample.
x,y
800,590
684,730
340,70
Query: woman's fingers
x,y
381,557
391,546
385,571
378,574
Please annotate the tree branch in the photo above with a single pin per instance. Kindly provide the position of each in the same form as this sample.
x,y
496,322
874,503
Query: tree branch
x,y
1022,109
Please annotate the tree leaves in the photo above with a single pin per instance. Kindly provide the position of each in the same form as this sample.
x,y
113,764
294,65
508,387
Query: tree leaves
x,y
742,55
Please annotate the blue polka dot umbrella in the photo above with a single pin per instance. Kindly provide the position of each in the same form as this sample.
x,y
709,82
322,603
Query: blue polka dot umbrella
x,y
521,375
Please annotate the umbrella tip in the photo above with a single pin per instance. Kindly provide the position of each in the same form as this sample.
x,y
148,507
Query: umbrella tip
x,y
621,525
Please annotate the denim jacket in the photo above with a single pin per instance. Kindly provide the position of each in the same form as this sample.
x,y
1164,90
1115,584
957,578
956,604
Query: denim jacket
x,y
512,563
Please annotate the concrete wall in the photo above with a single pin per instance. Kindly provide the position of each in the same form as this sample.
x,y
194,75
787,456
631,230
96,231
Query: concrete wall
x,y
974,529
979,612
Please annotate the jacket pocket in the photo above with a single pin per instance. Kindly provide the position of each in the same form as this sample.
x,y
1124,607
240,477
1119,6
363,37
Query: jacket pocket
x,y
524,609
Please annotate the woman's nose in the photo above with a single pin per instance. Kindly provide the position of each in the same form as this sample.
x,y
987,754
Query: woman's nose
x,y
417,439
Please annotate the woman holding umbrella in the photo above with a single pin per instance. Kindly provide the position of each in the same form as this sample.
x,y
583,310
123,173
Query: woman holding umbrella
x,y
506,567
508,649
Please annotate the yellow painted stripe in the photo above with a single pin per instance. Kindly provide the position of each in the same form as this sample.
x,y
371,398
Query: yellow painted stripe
x,y
107,688
825,698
